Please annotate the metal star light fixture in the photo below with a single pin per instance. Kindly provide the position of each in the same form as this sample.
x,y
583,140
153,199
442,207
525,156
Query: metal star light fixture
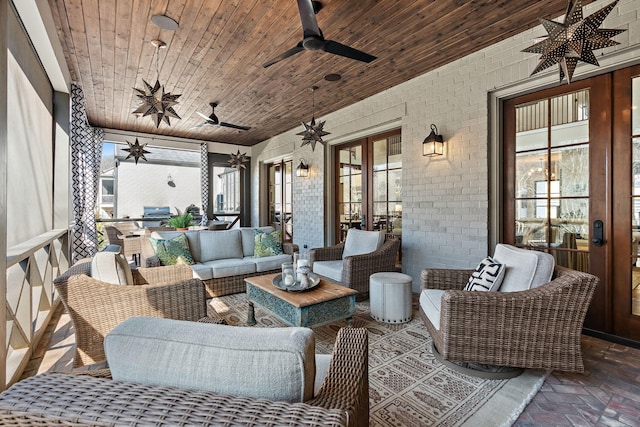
x,y
313,132
136,151
238,160
573,40
155,102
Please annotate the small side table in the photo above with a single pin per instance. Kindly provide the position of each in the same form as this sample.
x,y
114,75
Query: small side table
x,y
390,297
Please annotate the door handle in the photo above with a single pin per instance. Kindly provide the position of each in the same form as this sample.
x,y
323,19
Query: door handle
x,y
598,233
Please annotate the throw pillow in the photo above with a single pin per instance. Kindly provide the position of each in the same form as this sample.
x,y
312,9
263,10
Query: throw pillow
x,y
487,276
172,251
267,244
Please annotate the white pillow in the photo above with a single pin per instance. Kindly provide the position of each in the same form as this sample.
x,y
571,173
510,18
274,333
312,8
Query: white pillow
x,y
487,276
110,267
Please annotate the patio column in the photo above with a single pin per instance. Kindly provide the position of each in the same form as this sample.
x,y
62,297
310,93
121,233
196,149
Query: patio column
x,y
4,10
86,153
204,181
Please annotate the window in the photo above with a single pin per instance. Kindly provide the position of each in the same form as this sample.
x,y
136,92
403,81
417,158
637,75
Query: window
x,y
280,185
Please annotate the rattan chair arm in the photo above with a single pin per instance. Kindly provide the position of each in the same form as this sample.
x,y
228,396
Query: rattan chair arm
x,y
346,385
330,253
290,248
162,274
358,268
432,278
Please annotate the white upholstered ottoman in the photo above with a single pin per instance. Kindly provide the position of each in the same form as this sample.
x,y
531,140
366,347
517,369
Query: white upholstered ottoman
x,y
390,297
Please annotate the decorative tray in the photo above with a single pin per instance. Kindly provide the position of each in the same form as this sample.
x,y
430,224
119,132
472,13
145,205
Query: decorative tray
x,y
278,283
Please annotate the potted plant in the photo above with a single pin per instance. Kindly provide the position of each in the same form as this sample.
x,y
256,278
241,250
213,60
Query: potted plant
x,y
181,222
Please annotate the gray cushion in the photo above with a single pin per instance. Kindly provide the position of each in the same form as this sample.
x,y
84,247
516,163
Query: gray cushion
x,y
330,269
430,302
360,242
271,363
524,269
230,267
322,368
202,271
270,262
249,238
111,267
220,245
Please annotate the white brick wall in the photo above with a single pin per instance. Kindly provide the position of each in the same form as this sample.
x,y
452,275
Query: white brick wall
x,y
445,199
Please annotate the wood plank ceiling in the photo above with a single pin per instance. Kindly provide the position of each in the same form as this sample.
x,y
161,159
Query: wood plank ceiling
x,y
216,55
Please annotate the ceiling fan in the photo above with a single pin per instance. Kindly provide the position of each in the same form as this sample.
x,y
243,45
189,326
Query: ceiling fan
x,y
212,120
314,40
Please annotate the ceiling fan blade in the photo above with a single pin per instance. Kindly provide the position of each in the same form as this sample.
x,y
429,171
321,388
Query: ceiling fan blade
x,y
199,126
229,125
308,17
285,55
346,51
203,116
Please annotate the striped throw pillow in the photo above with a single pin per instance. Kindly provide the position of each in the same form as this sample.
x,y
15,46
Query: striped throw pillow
x,y
487,276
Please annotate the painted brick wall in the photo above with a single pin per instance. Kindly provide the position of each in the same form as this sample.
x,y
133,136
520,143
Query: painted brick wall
x,y
446,199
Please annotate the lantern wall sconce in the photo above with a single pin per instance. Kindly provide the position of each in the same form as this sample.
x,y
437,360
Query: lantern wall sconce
x,y
303,169
433,145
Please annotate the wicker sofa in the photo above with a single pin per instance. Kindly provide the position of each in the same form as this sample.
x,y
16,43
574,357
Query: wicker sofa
x,y
223,259
95,399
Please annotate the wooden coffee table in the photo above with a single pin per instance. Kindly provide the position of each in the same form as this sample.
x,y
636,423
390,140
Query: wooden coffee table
x,y
326,303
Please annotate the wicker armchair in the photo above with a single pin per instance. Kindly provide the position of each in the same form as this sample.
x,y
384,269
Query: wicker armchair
x,y
537,328
94,399
357,268
96,307
120,234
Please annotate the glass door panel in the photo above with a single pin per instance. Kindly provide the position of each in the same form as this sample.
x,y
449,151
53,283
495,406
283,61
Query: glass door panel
x,y
349,194
635,196
552,177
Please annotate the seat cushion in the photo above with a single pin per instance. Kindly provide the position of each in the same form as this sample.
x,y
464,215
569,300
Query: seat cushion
x,y
202,271
269,263
221,244
330,269
230,267
487,276
270,363
172,251
360,242
430,302
524,269
111,267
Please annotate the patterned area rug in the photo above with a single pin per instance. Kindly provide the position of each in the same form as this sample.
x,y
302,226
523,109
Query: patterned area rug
x,y
407,385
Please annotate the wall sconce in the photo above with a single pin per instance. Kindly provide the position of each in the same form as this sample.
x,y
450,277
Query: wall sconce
x,y
170,182
433,145
302,169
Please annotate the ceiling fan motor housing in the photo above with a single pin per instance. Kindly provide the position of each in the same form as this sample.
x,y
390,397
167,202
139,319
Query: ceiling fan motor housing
x,y
313,43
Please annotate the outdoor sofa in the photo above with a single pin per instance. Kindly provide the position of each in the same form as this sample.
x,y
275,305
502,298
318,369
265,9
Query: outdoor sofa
x,y
222,259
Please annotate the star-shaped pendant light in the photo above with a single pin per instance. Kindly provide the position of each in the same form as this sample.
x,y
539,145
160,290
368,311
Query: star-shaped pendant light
x,y
155,102
136,151
238,160
313,132
573,40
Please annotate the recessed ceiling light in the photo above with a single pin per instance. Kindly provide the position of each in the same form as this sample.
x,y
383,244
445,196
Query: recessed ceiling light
x,y
332,77
164,22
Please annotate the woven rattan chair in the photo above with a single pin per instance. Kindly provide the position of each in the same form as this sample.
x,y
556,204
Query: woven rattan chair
x,y
121,234
94,399
536,328
357,269
96,307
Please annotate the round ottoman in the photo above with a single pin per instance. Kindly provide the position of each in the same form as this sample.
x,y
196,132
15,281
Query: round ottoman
x,y
390,297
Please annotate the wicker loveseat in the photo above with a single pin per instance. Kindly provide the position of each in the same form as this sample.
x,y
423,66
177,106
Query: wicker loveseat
x,y
96,399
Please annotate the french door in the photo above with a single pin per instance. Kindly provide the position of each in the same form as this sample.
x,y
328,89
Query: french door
x,y
279,197
369,185
572,187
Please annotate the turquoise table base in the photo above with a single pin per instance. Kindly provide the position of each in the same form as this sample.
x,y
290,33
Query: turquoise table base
x,y
316,314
